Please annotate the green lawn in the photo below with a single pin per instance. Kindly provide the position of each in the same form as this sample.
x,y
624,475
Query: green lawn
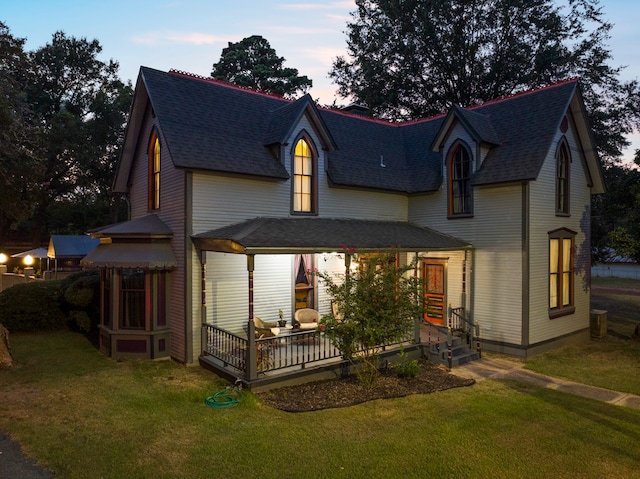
x,y
83,415
612,362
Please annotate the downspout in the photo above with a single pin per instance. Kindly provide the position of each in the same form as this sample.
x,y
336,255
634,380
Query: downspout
x,y
525,264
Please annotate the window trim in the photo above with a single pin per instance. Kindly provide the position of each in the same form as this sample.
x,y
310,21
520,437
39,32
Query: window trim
x,y
154,153
563,178
314,176
156,293
560,235
455,148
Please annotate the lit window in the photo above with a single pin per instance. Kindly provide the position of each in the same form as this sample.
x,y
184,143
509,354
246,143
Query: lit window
x,y
154,173
561,253
563,161
460,199
303,178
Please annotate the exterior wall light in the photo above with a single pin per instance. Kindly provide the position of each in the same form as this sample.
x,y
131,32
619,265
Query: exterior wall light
x,y
28,260
3,258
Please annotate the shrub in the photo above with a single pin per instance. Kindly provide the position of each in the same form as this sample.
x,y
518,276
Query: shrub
x,y
82,291
33,306
82,294
406,368
376,305
51,305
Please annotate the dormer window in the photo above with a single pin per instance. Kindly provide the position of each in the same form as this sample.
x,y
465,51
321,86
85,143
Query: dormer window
x,y
154,172
563,163
459,174
304,178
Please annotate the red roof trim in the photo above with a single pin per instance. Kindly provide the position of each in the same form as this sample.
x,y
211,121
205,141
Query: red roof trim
x,y
525,92
227,84
368,118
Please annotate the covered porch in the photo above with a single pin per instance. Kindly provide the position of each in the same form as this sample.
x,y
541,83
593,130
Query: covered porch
x,y
278,257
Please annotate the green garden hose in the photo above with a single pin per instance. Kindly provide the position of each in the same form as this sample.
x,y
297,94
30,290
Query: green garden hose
x,y
225,398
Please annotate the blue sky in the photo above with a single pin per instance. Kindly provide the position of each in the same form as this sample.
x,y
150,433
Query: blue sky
x,y
189,35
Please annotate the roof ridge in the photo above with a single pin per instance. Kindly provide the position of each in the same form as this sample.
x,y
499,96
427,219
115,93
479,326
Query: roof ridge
x,y
195,76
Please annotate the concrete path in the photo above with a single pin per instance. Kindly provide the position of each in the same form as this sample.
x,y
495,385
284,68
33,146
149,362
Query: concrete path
x,y
15,465
496,368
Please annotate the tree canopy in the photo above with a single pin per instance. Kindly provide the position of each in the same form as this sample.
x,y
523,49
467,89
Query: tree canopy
x,y
414,58
252,63
66,120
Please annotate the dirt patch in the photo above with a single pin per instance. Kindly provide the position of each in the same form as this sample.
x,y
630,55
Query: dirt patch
x,y
348,391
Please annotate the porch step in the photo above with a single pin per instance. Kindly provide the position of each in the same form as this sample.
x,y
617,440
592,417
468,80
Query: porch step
x,y
461,353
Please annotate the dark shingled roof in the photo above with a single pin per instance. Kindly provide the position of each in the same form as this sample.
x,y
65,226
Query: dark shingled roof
x,y
210,125
284,235
527,124
147,226
478,125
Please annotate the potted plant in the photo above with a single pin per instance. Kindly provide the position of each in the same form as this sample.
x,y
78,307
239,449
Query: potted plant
x,y
281,322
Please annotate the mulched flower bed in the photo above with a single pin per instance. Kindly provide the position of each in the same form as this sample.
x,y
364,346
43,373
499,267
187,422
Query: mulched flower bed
x,y
342,392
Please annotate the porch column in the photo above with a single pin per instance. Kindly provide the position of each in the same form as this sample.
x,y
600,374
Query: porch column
x,y
347,263
251,367
417,326
203,298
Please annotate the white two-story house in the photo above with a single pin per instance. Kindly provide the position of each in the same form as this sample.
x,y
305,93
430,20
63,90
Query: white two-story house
x,y
237,196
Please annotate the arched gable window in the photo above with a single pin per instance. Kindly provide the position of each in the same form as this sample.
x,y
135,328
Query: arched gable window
x,y
304,178
154,172
459,183
563,167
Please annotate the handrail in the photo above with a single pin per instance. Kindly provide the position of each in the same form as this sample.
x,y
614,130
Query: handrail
x,y
459,322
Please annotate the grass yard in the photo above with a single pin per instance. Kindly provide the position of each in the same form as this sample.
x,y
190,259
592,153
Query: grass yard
x,y
82,415
612,362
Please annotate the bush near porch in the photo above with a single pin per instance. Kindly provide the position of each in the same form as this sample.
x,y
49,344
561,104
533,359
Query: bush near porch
x,y
51,305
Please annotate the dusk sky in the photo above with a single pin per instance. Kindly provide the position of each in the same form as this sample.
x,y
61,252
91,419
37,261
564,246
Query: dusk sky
x,y
189,35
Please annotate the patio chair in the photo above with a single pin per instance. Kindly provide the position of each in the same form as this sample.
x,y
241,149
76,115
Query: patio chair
x,y
306,318
265,329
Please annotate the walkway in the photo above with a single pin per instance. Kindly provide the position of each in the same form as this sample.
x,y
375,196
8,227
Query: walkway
x,y
500,368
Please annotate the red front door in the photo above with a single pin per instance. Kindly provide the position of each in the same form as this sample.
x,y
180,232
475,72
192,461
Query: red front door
x,y
434,292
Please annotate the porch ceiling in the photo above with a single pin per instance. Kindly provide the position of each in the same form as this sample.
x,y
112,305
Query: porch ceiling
x,y
316,235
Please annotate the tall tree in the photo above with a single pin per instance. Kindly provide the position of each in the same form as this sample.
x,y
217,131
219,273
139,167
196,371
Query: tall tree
x,y
19,153
415,58
254,64
83,105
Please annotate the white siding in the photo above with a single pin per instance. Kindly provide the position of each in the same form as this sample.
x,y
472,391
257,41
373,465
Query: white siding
x,y
543,220
172,191
495,231
220,201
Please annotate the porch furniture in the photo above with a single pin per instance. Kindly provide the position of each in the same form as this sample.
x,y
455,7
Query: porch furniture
x,y
302,295
265,329
336,314
306,318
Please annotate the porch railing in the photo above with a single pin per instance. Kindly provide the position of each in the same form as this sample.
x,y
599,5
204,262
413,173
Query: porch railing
x,y
460,323
287,350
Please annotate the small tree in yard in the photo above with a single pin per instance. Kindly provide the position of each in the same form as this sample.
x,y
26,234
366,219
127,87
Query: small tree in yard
x,y
375,305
